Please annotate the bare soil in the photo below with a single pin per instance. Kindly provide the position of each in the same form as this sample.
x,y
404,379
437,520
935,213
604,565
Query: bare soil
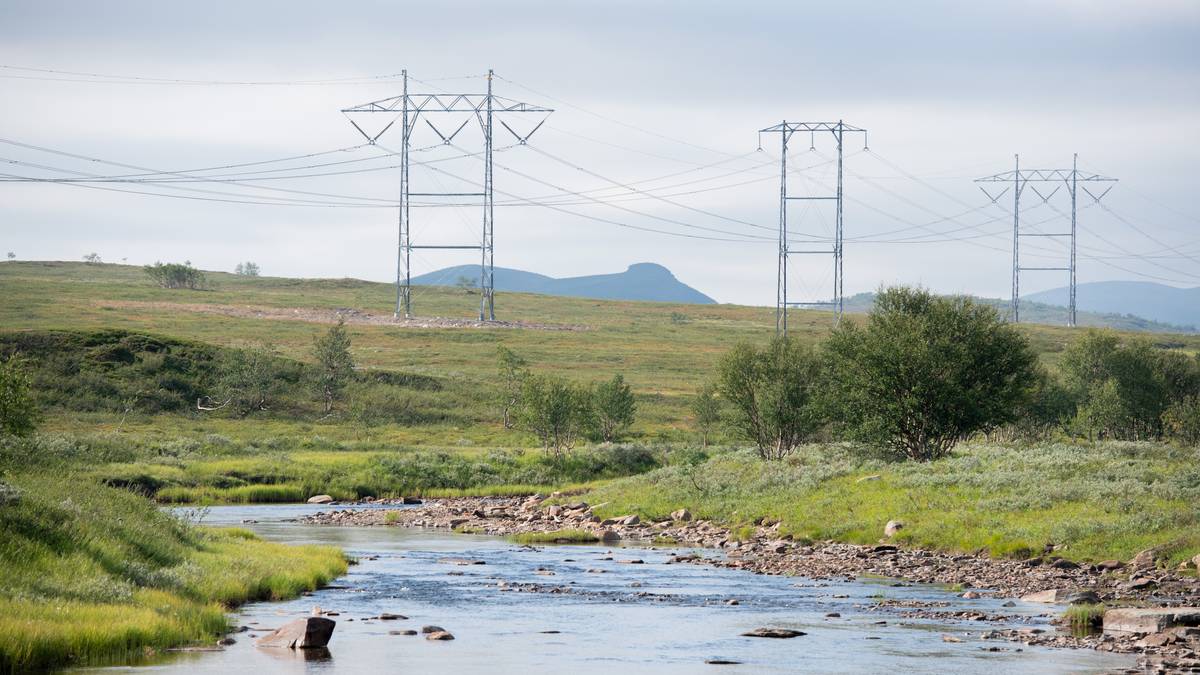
x,y
315,315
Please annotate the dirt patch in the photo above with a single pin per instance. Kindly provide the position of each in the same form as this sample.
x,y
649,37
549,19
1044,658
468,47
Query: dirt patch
x,y
313,315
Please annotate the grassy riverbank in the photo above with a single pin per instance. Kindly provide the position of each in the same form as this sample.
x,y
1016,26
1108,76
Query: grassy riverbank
x,y
95,574
1091,502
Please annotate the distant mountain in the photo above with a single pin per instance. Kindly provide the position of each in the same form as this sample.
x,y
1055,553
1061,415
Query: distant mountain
x,y
1044,313
1165,304
642,281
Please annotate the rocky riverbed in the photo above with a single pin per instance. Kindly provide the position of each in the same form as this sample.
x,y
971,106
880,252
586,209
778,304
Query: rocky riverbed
x,y
1049,578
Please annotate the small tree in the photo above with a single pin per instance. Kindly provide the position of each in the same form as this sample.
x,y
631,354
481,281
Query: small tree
x,y
513,371
335,366
12,256
926,372
246,269
247,381
613,408
19,415
92,259
771,392
1182,420
176,275
706,411
466,284
555,410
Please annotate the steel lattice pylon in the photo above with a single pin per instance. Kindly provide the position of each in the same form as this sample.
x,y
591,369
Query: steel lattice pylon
x,y
1018,179
785,130
410,108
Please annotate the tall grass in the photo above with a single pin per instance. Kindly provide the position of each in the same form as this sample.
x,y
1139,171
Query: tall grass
x,y
95,574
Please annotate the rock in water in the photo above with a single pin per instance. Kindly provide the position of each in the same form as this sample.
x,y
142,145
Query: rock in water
x,y
307,633
320,499
1052,595
439,635
773,633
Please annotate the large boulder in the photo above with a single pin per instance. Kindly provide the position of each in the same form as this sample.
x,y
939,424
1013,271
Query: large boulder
x,y
320,499
1145,620
681,515
308,633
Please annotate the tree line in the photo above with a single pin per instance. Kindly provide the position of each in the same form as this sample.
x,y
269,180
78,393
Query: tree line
x,y
926,372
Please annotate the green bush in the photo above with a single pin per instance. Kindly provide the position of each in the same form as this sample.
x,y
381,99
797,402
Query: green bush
x,y
772,394
19,414
926,372
176,275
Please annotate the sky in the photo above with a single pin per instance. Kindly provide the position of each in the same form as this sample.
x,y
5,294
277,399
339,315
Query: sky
x,y
652,153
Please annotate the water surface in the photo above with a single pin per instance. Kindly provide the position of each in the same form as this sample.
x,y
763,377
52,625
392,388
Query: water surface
x,y
630,618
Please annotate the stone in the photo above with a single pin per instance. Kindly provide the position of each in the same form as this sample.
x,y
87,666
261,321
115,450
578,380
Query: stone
x,y
1052,595
1083,598
432,629
1109,565
411,500
970,595
721,662
631,520
892,527
682,515
1064,564
439,635
950,638
609,535
402,632
1146,559
773,633
306,633
386,616
320,499
1157,640
1147,620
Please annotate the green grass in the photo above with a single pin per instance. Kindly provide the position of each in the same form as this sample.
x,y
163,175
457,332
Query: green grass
x,y
557,537
1093,501
96,575
664,361
1085,617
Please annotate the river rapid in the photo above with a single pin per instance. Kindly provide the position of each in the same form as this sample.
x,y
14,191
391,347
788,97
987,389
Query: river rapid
x,y
589,609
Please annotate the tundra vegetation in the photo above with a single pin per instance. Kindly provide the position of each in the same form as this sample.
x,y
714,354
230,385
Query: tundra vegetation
x,y
978,434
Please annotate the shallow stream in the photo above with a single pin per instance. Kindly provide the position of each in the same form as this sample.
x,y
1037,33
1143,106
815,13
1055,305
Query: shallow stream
x,y
628,618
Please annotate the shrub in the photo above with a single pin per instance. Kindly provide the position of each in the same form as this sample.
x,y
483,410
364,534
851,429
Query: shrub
x,y
555,410
1182,420
706,412
513,371
176,275
613,408
771,392
335,366
246,269
926,372
19,414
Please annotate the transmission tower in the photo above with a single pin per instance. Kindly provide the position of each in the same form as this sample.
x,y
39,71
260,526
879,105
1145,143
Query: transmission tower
x,y
409,109
1018,179
785,130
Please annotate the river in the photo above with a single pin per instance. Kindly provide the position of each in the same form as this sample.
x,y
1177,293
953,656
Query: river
x,y
629,618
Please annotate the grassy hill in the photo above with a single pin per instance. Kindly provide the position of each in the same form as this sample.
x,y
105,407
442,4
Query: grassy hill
x,y
89,325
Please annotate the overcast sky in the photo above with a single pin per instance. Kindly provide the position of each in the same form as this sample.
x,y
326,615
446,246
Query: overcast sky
x,y
657,109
